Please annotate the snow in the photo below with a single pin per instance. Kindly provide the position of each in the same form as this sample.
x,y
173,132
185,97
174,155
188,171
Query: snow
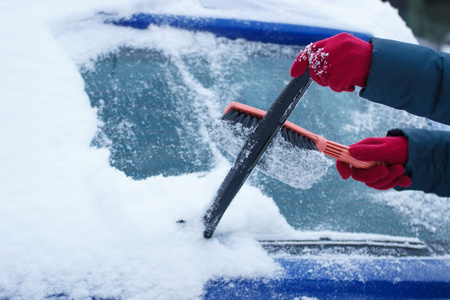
x,y
70,224
317,57
423,210
299,168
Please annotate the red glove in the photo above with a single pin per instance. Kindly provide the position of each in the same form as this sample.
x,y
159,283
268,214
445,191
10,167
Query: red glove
x,y
391,150
340,62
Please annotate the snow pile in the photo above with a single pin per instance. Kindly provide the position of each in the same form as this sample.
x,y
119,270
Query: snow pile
x,y
70,224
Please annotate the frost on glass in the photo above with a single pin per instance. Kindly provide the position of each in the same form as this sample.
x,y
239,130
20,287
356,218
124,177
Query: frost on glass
x,y
147,118
299,168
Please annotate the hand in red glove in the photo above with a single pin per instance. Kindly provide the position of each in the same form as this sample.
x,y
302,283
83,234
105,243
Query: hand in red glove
x,y
391,150
340,62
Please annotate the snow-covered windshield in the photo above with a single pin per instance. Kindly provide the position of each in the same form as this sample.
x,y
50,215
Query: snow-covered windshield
x,y
157,103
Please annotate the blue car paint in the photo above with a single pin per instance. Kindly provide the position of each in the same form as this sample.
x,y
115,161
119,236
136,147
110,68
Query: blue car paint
x,y
354,278
268,32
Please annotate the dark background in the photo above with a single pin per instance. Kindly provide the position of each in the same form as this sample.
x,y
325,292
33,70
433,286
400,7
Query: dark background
x,y
428,19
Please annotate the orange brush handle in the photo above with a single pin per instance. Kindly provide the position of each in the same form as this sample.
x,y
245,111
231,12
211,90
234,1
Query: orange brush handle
x,y
329,148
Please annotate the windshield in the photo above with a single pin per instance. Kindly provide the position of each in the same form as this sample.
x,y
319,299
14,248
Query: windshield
x,y
157,106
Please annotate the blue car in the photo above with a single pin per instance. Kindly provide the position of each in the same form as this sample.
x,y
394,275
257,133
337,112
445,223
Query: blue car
x,y
359,245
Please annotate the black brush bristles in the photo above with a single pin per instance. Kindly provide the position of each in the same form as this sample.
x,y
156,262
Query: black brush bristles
x,y
250,121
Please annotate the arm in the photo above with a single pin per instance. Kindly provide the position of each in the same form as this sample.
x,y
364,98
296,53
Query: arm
x,y
428,163
416,79
415,159
410,77
404,76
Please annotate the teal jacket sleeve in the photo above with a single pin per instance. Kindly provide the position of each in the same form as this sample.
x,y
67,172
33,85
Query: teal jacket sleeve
x,y
410,77
428,163
416,79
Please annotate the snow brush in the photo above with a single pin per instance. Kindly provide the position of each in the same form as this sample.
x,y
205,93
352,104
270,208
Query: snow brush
x,y
248,117
266,126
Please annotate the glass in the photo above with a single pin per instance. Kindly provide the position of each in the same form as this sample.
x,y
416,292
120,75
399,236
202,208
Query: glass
x,y
157,107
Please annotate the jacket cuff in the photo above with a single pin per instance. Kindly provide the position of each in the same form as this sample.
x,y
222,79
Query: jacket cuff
x,y
428,163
